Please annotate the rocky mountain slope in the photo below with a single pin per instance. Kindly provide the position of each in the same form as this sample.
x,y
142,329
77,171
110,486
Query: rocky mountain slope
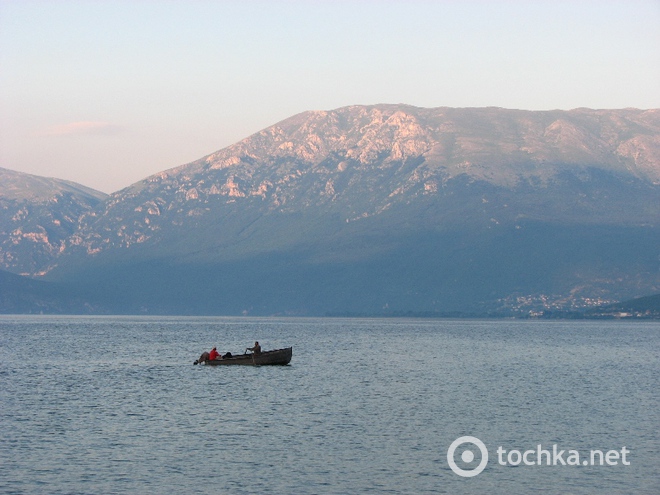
x,y
37,217
367,209
359,162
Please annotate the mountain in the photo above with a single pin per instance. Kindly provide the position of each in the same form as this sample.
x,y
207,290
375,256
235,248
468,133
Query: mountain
x,y
370,209
37,217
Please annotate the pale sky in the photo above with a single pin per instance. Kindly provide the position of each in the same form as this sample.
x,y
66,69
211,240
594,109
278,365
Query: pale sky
x,y
106,93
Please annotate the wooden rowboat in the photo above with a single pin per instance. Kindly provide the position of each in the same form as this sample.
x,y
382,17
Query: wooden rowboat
x,y
274,357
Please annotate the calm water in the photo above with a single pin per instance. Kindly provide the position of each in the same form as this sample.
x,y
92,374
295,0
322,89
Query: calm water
x,y
114,405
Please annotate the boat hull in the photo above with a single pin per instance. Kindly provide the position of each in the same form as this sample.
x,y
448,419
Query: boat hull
x,y
276,357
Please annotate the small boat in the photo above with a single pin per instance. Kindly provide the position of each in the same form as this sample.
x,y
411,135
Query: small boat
x,y
274,357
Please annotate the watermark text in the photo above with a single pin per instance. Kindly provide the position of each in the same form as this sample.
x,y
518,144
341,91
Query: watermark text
x,y
539,456
557,457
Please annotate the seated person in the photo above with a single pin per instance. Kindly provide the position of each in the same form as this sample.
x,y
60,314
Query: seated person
x,y
214,354
256,349
203,358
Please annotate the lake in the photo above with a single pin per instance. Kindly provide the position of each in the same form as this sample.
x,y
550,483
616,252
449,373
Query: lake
x,y
114,405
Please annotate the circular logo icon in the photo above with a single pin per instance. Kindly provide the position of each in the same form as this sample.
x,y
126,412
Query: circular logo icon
x,y
467,456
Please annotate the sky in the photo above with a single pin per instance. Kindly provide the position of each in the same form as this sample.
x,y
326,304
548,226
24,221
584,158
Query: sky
x,y
106,93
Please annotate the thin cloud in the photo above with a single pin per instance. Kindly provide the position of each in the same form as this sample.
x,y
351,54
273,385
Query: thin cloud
x,y
85,128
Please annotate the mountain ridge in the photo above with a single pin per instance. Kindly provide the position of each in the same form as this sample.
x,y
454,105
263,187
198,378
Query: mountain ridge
x,y
373,147
22,186
37,217
386,206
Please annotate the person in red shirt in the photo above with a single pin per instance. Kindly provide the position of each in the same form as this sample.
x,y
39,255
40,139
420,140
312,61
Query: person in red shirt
x,y
214,354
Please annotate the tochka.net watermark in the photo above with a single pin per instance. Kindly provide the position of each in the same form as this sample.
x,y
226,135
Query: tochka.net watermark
x,y
539,456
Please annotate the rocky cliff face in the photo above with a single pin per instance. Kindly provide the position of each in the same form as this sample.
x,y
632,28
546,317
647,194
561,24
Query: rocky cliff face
x,y
387,206
37,217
